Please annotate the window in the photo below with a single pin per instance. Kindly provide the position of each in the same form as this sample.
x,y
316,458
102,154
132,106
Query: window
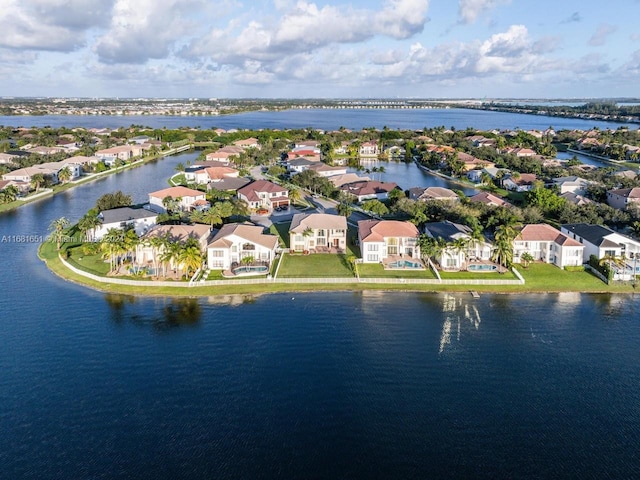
x,y
298,238
372,258
373,247
321,233
217,253
248,246
451,262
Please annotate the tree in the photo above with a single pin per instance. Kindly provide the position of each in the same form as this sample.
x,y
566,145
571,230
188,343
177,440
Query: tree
x,y
295,196
503,245
37,180
109,201
526,258
112,247
65,175
376,207
190,256
344,208
57,228
88,223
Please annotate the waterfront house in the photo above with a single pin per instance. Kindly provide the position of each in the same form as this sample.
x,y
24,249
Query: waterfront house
x,y
473,163
369,149
460,247
186,199
380,240
230,184
366,190
318,232
603,242
433,193
325,170
340,180
547,244
213,174
138,219
264,194
238,243
149,254
621,198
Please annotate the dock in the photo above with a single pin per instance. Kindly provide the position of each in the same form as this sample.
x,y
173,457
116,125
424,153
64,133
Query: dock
x,y
475,294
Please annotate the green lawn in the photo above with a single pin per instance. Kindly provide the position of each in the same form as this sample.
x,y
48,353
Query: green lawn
x,y
545,277
282,230
376,270
477,275
314,266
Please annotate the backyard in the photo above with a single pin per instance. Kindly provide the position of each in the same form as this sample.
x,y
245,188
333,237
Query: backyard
x,y
315,266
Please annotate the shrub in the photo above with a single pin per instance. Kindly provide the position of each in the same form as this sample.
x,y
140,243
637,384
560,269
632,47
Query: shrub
x,y
577,268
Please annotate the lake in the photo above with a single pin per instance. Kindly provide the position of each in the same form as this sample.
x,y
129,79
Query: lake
x,y
328,119
316,385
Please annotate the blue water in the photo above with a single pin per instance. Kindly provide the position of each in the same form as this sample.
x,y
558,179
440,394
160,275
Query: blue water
x,y
318,385
328,119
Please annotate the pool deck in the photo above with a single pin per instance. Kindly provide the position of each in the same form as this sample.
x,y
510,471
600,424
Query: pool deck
x,y
386,263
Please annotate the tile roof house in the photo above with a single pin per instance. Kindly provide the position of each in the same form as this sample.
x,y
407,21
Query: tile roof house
x,y
522,183
621,198
489,199
236,242
433,193
318,232
325,170
601,241
140,219
457,257
214,174
382,239
247,143
264,194
366,190
147,253
547,244
340,180
188,198
572,184
369,149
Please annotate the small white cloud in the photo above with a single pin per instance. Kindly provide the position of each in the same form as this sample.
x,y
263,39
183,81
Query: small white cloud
x,y
470,10
603,32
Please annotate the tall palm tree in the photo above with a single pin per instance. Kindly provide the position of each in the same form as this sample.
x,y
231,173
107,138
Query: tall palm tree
x,y
190,256
295,196
503,246
88,224
36,181
57,228
112,247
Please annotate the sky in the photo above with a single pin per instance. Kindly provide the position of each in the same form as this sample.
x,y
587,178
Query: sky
x,y
320,49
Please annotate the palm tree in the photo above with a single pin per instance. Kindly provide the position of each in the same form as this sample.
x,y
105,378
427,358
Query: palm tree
x,y
170,253
461,246
503,246
10,193
57,228
344,208
112,247
88,224
295,196
36,181
65,175
611,261
526,258
190,256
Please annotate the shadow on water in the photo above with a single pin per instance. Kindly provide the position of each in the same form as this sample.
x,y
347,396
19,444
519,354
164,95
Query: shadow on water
x,y
178,312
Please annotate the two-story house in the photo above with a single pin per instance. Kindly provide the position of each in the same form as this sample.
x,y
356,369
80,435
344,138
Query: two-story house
x,y
383,239
547,244
186,199
264,194
236,243
318,232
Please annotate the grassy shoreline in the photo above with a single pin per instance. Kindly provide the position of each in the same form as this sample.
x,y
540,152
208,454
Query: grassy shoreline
x,y
537,281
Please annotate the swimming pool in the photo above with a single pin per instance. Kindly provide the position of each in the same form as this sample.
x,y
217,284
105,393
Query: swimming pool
x,y
251,270
404,264
481,267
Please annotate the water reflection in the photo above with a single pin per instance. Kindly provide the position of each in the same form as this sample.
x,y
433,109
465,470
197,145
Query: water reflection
x,y
176,312
457,313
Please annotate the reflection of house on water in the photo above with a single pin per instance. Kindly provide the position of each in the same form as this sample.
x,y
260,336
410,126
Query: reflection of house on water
x,y
457,312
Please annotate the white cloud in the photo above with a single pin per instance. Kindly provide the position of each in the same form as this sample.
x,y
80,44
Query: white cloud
x,y
470,10
600,36
50,25
307,27
144,29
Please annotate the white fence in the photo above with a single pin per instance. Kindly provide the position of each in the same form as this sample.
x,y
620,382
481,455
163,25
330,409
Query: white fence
x,y
289,281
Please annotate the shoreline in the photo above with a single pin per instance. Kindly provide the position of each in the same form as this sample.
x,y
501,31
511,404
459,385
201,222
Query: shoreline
x,y
58,268
61,188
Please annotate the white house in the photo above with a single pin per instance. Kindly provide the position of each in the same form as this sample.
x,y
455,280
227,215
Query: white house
x,y
147,253
572,184
140,219
366,190
187,198
621,198
369,149
382,239
601,241
461,248
318,232
237,242
547,244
